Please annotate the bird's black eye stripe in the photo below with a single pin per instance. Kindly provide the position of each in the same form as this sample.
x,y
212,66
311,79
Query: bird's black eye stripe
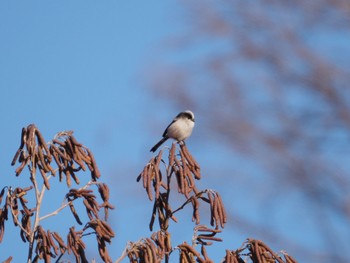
x,y
186,115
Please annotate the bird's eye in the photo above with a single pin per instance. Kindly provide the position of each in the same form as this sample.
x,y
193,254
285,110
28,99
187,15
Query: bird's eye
x,y
188,116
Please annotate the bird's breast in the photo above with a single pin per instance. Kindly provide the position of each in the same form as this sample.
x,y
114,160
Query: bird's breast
x,y
180,130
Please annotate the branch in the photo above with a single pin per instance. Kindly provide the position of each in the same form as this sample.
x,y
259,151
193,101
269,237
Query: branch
x,y
59,257
64,205
188,201
123,255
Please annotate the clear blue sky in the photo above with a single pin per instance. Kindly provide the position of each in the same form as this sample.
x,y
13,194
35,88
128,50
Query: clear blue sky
x,y
80,65
76,65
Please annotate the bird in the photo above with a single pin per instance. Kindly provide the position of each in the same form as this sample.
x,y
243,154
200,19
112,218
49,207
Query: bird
x,y
179,129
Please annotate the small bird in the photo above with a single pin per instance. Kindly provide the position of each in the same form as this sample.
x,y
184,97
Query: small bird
x,y
179,129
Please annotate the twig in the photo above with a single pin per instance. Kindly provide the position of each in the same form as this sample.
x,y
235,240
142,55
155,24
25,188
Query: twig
x,y
123,255
188,201
39,198
64,205
56,211
59,257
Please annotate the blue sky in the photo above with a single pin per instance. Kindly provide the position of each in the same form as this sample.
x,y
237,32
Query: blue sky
x,y
82,66
76,65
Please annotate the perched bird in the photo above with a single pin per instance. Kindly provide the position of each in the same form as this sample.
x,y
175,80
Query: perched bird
x,y
179,129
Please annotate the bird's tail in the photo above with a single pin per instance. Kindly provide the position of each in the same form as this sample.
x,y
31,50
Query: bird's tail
x,y
155,147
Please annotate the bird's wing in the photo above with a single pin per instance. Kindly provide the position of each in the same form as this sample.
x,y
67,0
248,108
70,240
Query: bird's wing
x,y
165,132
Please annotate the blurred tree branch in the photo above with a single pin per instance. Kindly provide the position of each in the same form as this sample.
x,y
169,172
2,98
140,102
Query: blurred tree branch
x,y
271,79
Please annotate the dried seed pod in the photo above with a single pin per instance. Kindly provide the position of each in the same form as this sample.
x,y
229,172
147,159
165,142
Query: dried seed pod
x,y
217,210
2,194
189,157
60,242
288,258
157,173
95,173
190,181
16,156
154,214
158,237
14,208
43,144
55,157
190,252
222,211
68,179
168,247
83,154
172,154
255,250
153,249
205,255
3,216
228,257
8,260
194,167
23,164
195,215
91,207
211,202
76,245
144,250
107,228
104,191
102,249
180,181
43,248
26,225
74,176
43,175
61,152
185,257
69,148
183,183
74,212
261,252
30,142
103,230
74,141
52,242
161,217
201,239
78,159
40,157
203,228
60,143
149,182
142,175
